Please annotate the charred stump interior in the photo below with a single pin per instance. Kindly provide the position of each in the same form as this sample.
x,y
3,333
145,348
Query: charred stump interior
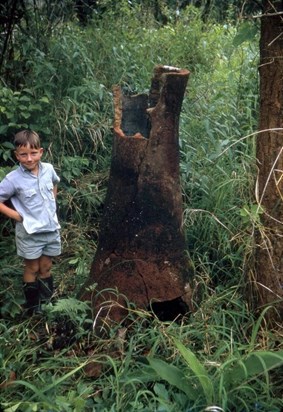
x,y
142,250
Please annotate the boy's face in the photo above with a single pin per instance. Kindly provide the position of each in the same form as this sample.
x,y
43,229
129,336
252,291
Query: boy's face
x,y
29,157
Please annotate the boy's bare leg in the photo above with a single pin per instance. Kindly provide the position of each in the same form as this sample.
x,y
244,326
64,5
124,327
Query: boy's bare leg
x,y
30,286
45,265
31,270
45,280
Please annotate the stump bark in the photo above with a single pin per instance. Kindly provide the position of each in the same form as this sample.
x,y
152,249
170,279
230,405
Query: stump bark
x,y
142,249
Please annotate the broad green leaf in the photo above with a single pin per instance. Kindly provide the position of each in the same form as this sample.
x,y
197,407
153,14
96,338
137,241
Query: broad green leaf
x,y
174,376
144,374
34,106
198,369
73,261
25,115
25,99
254,365
2,174
13,408
44,99
246,32
161,391
8,145
3,129
27,90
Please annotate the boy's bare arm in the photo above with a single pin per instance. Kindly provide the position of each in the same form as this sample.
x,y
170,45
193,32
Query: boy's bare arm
x,y
11,213
55,191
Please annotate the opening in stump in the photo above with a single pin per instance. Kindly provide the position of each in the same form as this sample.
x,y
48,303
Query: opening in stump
x,y
142,250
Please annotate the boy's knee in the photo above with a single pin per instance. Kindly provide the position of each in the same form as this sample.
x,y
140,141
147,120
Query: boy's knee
x,y
32,266
45,265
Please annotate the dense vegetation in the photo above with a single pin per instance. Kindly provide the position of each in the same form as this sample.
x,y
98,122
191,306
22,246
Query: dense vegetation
x,y
221,357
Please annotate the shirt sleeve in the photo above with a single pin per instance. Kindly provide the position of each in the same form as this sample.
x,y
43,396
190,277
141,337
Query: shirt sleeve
x,y
7,190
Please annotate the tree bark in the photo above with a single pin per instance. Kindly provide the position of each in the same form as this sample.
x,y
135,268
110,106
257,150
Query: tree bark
x,y
269,257
142,249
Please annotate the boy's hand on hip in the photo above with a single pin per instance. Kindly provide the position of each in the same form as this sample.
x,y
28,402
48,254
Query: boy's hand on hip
x,y
11,213
18,218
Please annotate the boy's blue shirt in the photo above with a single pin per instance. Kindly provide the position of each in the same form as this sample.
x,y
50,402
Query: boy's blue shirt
x,y
32,197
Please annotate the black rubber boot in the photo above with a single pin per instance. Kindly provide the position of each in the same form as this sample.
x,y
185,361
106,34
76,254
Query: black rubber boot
x,y
45,287
31,293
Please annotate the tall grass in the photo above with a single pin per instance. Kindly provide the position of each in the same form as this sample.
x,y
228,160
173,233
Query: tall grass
x,y
203,362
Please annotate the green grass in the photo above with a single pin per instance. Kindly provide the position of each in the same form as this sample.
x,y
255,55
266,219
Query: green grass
x,y
219,355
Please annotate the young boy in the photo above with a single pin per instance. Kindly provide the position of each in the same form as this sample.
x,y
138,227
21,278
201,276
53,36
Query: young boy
x,y
32,190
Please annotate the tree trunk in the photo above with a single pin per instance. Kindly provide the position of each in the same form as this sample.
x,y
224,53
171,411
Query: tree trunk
x,y
141,250
269,257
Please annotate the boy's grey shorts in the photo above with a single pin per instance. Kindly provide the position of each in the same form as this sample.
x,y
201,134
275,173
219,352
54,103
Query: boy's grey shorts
x,y
37,244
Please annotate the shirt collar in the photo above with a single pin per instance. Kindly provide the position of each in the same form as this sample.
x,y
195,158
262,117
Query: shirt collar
x,y
23,169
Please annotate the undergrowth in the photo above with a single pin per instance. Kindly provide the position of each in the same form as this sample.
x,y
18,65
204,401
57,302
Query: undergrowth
x,y
219,356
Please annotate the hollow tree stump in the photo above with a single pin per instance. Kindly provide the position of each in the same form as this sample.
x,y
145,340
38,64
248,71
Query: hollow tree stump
x,y
142,250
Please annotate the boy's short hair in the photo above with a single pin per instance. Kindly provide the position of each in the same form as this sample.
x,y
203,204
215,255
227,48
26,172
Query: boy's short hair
x,y
27,137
